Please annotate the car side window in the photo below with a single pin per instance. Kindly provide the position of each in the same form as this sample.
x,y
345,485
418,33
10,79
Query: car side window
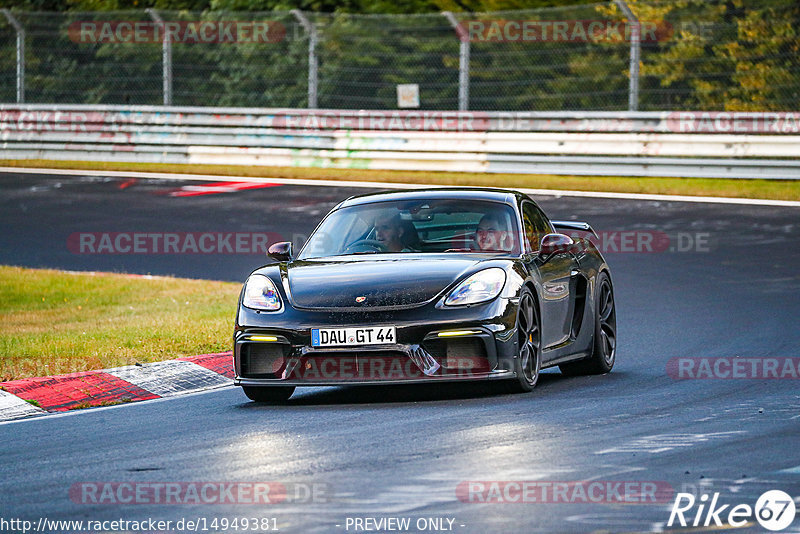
x,y
535,224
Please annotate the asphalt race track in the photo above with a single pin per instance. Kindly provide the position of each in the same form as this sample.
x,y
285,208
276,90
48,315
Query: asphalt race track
x,y
724,284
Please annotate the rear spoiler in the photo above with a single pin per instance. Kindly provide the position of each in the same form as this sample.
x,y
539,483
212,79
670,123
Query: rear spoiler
x,y
574,225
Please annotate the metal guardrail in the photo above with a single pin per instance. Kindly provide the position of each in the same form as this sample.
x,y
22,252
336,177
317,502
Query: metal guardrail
x,y
699,144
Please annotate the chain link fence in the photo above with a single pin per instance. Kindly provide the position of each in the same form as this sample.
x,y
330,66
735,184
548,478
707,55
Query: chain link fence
x,y
693,54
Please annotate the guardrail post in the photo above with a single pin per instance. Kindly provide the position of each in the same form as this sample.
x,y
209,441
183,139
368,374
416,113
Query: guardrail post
x,y
20,31
636,37
311,29
463,61
166,56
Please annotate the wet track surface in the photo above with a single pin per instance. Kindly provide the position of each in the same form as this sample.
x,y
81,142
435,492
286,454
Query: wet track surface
x,y
726,284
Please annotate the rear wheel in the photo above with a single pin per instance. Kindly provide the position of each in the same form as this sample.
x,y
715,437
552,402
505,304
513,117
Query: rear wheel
x,y
528,361
268,394
605,334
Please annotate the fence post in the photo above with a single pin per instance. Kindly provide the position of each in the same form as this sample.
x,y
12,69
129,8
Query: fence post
x,y
166,56
311,29
20,31
463,61
636,37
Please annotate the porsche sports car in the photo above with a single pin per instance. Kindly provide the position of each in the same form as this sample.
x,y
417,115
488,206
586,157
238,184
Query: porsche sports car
x,y
426,286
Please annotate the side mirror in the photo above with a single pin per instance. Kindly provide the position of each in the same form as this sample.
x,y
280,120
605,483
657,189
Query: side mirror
x,y
555,244
280,251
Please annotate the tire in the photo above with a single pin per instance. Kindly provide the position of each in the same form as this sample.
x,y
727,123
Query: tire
x,y
268,394
529,360
604,348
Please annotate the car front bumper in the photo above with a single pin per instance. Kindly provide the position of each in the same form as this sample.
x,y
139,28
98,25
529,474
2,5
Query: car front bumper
x,y
433,344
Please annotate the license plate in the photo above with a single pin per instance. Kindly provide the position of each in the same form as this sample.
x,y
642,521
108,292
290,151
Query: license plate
x,y
344,337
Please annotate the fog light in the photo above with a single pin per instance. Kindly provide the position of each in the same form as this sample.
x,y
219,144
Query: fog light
x,y
268,339
456,333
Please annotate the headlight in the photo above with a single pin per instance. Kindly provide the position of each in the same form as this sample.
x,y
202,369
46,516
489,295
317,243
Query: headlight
x,y
480,287
260,294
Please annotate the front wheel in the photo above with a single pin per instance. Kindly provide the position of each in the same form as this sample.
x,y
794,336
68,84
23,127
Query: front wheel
x,y
604,351
528,362
268,394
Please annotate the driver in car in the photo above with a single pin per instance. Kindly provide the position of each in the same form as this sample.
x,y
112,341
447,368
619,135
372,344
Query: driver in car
x,y
493,234
391,232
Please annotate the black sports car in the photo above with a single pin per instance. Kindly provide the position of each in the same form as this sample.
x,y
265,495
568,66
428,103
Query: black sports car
x,y
426,286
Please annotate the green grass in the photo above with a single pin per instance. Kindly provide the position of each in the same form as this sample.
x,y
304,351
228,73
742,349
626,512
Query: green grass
x,y
96,404
52,322
767,189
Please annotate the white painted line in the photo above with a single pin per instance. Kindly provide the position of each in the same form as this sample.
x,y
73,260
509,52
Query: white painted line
x,y
12,407
173,377
392,185
666,198
794,470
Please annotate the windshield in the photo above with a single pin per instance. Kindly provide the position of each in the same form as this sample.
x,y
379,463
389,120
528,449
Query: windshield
x,y
416,226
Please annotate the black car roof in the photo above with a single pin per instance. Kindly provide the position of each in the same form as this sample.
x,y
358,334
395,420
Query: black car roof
x,y
468,193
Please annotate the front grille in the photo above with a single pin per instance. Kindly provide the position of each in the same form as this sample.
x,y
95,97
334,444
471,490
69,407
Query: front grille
x,y
263,360
459,356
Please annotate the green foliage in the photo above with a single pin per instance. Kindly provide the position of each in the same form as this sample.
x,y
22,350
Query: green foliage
x,y
324,6
736,55
717,54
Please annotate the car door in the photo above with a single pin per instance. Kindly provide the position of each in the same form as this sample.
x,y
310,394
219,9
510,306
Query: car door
x,y
556,278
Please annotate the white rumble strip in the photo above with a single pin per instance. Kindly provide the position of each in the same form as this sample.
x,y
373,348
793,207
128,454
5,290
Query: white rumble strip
x,y
169,378
12,407
65,392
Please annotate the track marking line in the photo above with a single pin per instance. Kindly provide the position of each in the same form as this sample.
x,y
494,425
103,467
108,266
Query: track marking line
x,y
392,185
215,188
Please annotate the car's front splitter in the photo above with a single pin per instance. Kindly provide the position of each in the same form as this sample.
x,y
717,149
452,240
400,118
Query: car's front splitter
x,y
366,381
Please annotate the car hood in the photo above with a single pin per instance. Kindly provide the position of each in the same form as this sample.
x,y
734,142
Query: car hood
x,y
387,281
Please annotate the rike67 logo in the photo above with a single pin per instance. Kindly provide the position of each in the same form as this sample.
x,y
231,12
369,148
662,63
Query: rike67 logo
x,y
775,510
